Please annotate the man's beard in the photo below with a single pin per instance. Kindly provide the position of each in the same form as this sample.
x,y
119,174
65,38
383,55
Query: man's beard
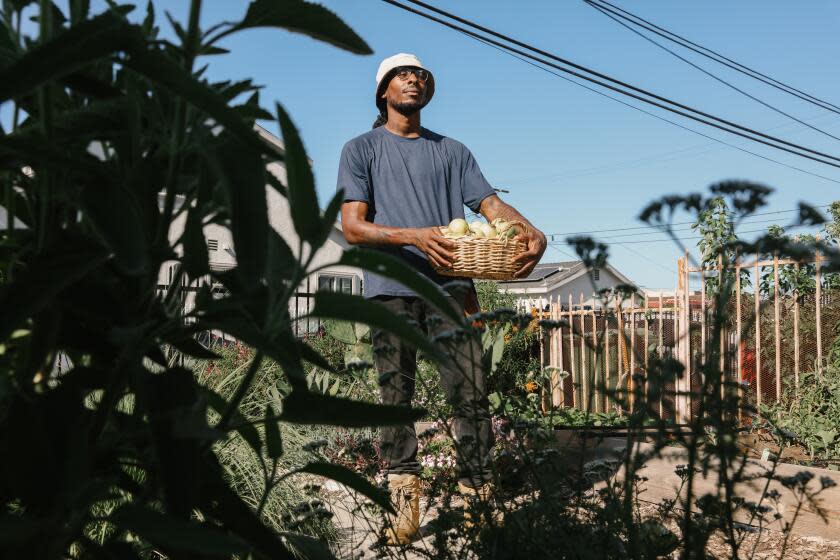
x,y
409,107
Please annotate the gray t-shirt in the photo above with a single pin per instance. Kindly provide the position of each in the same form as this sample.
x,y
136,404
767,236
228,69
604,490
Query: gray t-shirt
x,y
410,182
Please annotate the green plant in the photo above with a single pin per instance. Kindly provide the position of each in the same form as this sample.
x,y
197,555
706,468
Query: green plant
x,y
285,507
811,412
118,137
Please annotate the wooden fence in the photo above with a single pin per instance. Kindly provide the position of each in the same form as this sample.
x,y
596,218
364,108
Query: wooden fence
x,y
773,335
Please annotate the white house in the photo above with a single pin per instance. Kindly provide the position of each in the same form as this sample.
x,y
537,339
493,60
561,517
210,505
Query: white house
x,y
557,281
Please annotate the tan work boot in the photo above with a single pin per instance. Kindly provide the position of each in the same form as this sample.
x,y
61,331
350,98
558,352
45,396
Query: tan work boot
x,y
405,497
478,499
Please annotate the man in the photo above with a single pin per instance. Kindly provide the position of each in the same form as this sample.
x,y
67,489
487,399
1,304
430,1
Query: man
x,y
401,182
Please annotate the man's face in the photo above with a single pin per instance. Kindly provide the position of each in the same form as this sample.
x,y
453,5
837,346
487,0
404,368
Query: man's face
x,y
406,93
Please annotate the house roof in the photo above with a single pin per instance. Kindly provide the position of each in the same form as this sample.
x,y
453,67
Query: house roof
x,y
557,271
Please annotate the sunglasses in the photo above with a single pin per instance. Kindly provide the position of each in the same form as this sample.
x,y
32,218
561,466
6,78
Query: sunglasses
x,y
404,72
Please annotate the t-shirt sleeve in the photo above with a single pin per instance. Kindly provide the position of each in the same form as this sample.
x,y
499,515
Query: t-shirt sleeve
x,y
353,174
474,187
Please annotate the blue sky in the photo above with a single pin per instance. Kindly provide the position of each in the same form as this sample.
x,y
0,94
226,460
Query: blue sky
x,y
572,160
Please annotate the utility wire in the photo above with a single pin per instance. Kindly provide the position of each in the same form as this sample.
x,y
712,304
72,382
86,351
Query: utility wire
x,y
663,157
668,105
674,224
609,13
721,59
671,239
646,112
682,229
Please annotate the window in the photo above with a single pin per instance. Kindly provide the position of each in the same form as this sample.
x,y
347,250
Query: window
x,y
596,274
334,283
213,244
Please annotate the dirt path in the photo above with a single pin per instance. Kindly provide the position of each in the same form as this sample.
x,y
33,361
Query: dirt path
x,y
359,525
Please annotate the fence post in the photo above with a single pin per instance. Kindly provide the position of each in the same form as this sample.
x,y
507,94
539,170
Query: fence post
x,y
632,378
818,304
796,332
646,339
723,333
738,374
661,349
757,336
584,370
620,343
605,313
703,310
777,319
572,353
683,386
596,358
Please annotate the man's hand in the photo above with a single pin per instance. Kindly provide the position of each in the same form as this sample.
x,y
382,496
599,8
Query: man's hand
x,y
437,248
536,243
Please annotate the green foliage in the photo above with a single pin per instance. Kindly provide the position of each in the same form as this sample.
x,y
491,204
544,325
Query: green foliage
x,y
242,455
811,412
717,238
117,138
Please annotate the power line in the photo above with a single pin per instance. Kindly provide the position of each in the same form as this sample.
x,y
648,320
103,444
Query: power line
x,y
668,105
615,17
776,212
721,59
645,257
637,234
668,239
654,115
671,155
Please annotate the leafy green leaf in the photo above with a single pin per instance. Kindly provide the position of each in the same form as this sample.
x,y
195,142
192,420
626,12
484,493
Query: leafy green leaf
x,y
350,479
273,441
115,214
191,347
346,307
309,354
224,504
66,52
343,331
195,259
358,353
244,179
305,407
281,261
307,547
47,275
396,269
328,220
303,200
162,70
303,17
245,429
175,533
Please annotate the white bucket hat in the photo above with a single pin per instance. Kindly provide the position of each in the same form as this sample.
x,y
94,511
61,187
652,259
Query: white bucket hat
x,y
387,66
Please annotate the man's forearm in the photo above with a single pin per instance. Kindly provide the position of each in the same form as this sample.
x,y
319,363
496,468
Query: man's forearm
x,y
367,233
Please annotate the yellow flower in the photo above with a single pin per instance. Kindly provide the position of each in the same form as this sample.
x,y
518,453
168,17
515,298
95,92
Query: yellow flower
x,y
531,387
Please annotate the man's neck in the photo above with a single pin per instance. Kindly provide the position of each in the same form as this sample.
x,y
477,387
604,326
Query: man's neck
x,y
401,125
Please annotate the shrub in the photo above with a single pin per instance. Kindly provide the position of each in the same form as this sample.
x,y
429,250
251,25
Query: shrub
x,y
811,412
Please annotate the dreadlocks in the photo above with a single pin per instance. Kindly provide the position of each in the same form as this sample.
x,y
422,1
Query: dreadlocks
x,y
381,119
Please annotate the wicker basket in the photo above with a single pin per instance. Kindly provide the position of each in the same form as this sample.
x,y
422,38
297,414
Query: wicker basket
x,y
484,259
